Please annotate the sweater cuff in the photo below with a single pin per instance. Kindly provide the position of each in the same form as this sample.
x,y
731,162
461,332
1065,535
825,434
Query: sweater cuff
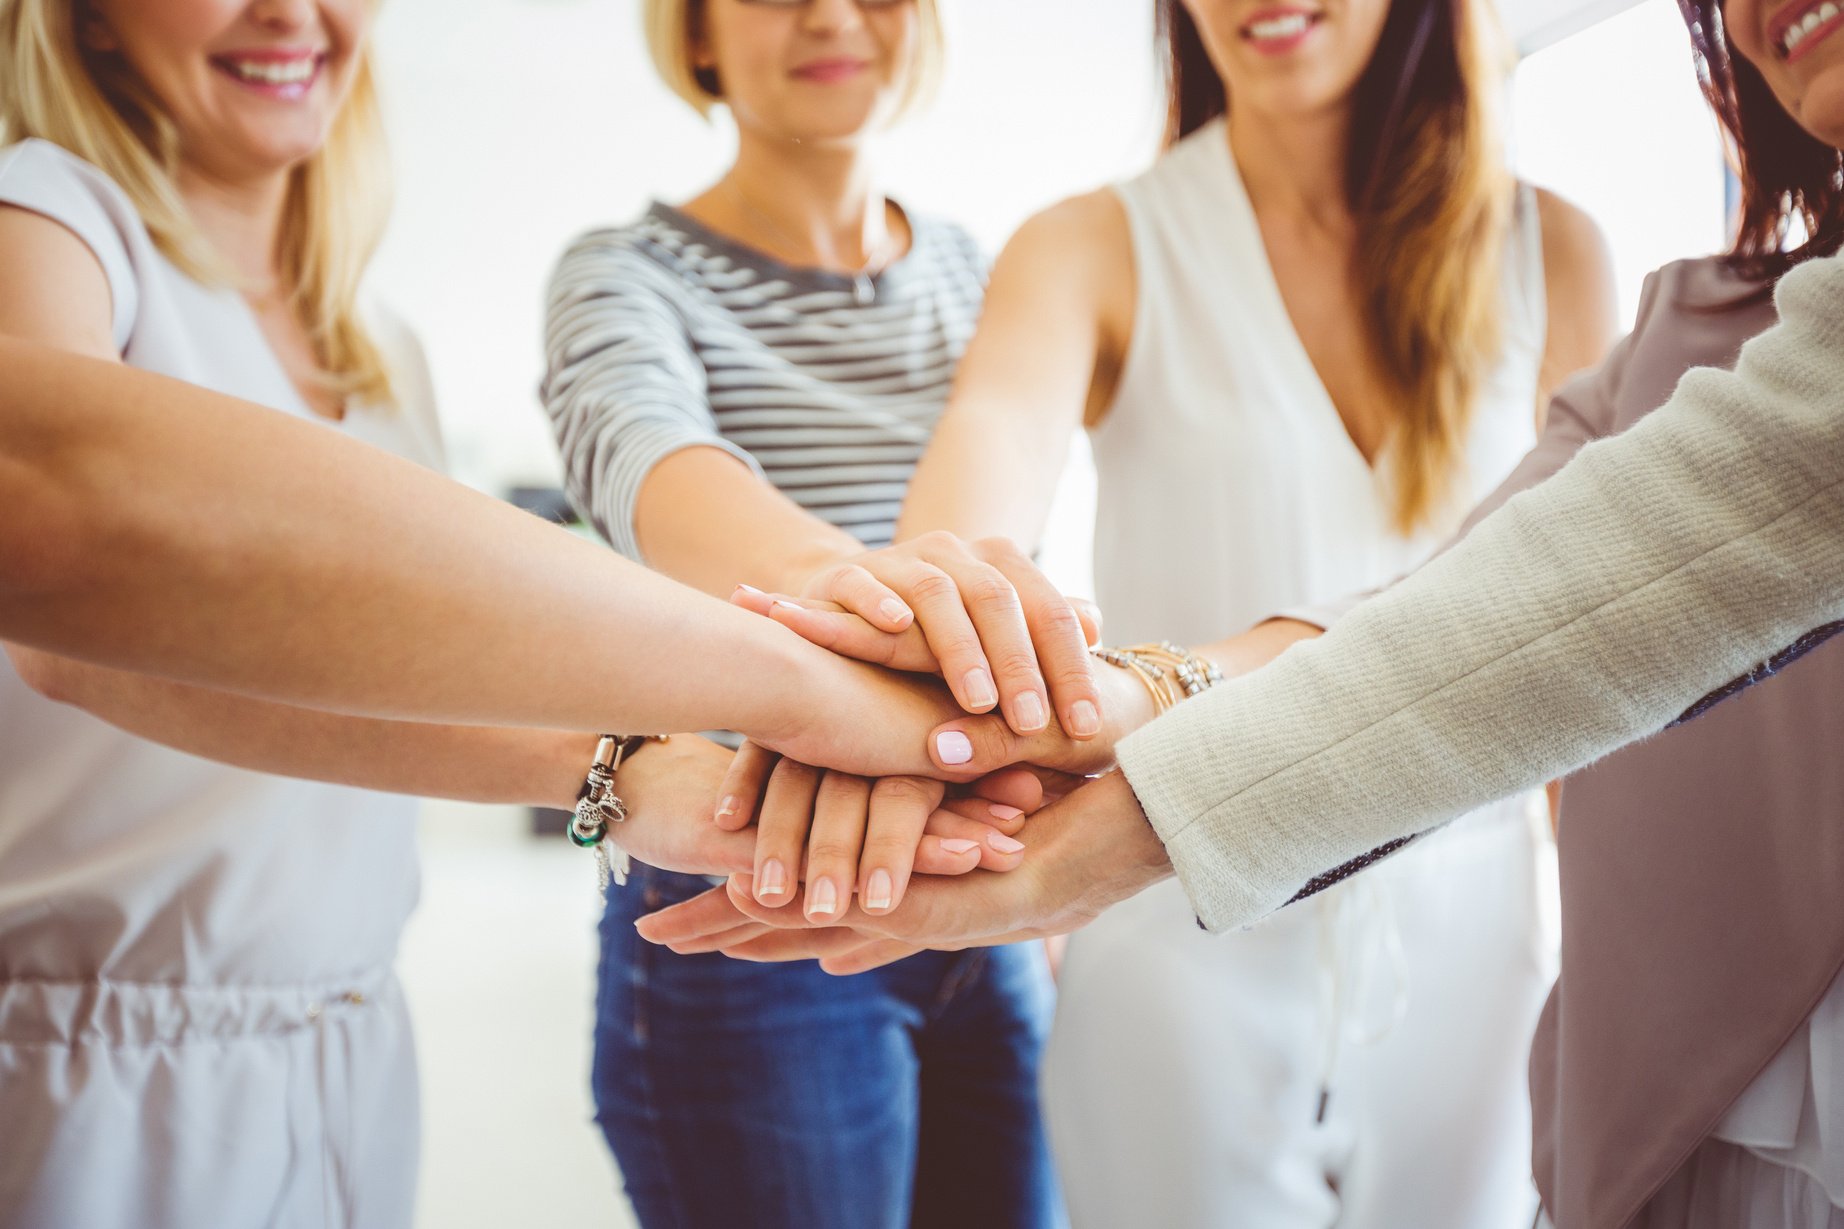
x,y
1324,615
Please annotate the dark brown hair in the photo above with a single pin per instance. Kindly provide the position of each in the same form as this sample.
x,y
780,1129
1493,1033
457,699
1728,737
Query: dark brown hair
x,y
1431,194
1785,171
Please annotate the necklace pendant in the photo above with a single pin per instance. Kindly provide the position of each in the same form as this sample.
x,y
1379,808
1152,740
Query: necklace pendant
x,y
863,291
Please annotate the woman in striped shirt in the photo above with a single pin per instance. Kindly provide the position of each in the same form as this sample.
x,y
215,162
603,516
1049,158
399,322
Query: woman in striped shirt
x,y
741,388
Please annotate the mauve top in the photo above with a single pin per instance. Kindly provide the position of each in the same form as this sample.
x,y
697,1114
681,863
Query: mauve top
x,y
1700,868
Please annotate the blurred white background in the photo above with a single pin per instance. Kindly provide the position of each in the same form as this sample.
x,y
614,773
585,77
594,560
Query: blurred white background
x,y
518,123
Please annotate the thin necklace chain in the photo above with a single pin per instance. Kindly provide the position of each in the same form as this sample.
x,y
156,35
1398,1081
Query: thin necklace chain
x,y
872,266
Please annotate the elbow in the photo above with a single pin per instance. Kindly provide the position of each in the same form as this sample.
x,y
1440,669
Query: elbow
x,y
45,673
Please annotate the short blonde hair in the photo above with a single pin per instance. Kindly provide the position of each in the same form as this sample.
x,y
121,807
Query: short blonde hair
x,y
672,29
54,88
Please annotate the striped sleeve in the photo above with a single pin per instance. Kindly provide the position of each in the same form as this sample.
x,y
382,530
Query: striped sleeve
x,y
623,385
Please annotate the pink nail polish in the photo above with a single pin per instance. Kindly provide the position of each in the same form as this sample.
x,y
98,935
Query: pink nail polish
x,y
958,846
1001,811
953,747
1002,843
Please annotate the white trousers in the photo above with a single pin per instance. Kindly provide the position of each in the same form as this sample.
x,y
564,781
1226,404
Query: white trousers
x,y
138,1106
1184,1074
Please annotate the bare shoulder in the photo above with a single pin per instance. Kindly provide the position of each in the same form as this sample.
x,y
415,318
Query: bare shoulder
x,y
1578,278
1092,224
1078,250
1575,251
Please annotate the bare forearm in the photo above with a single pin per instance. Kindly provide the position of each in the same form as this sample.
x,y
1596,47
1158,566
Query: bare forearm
x,y
469,763
706,521
157,527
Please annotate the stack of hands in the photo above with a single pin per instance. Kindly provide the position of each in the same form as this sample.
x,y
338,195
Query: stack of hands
x,y
962,732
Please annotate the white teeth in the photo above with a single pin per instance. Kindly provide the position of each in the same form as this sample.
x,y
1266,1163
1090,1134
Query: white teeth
x,y
1280,27
293,72
1797,32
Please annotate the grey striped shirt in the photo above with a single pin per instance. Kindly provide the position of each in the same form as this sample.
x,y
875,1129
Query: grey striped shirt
x,y
665,335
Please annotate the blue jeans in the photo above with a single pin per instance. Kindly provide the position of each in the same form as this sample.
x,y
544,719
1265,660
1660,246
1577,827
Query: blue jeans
x,y
768,1095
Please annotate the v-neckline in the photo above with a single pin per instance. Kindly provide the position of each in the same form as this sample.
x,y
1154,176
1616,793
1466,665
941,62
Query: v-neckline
x,y
298,402
1282,318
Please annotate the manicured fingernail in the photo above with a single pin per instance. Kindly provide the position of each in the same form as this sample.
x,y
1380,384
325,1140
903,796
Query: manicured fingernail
x,y
953,747
878,891
787,605
1002,843
958,846
978,685
752,591
1030,708
773,880
894,610
1084,719
1001,811
822,898
727,807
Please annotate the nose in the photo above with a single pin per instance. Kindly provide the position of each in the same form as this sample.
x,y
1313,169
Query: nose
x,y
832,16
282,16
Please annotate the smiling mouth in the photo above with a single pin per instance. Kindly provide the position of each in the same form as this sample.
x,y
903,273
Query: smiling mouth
x,y
286,77
1279,27
1807,27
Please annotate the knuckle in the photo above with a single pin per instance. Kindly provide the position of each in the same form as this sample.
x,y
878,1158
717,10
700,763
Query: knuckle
x,y
939,541
987,586
830,852
792,774
901,790
931,584
1001,552
840,787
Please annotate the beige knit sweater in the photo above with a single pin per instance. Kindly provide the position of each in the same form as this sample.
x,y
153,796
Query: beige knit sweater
x,y
1589,611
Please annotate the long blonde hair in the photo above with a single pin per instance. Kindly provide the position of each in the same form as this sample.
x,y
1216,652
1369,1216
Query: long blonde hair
x,y
338,201
1433,198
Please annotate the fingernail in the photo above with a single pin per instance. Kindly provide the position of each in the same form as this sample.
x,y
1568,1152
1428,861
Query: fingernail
x,y
787,605
1001,811
773,880
752,591
894,610
1002,843
978,685
727,807
1084,720
1030,707
959,846
953,747
878,891
822,898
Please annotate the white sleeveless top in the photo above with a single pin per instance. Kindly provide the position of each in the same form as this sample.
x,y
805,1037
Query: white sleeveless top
x,y
1228,488
133,877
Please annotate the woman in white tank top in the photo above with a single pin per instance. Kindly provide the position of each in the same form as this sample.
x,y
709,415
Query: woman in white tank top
x,y
1303,343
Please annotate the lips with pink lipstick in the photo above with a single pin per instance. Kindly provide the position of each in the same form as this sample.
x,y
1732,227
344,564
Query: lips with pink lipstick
x,y
831,71
1279,29
285,73
1803,25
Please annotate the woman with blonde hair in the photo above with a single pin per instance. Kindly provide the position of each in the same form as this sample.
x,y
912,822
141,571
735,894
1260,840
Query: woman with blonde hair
x,y
199,1024
741,387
